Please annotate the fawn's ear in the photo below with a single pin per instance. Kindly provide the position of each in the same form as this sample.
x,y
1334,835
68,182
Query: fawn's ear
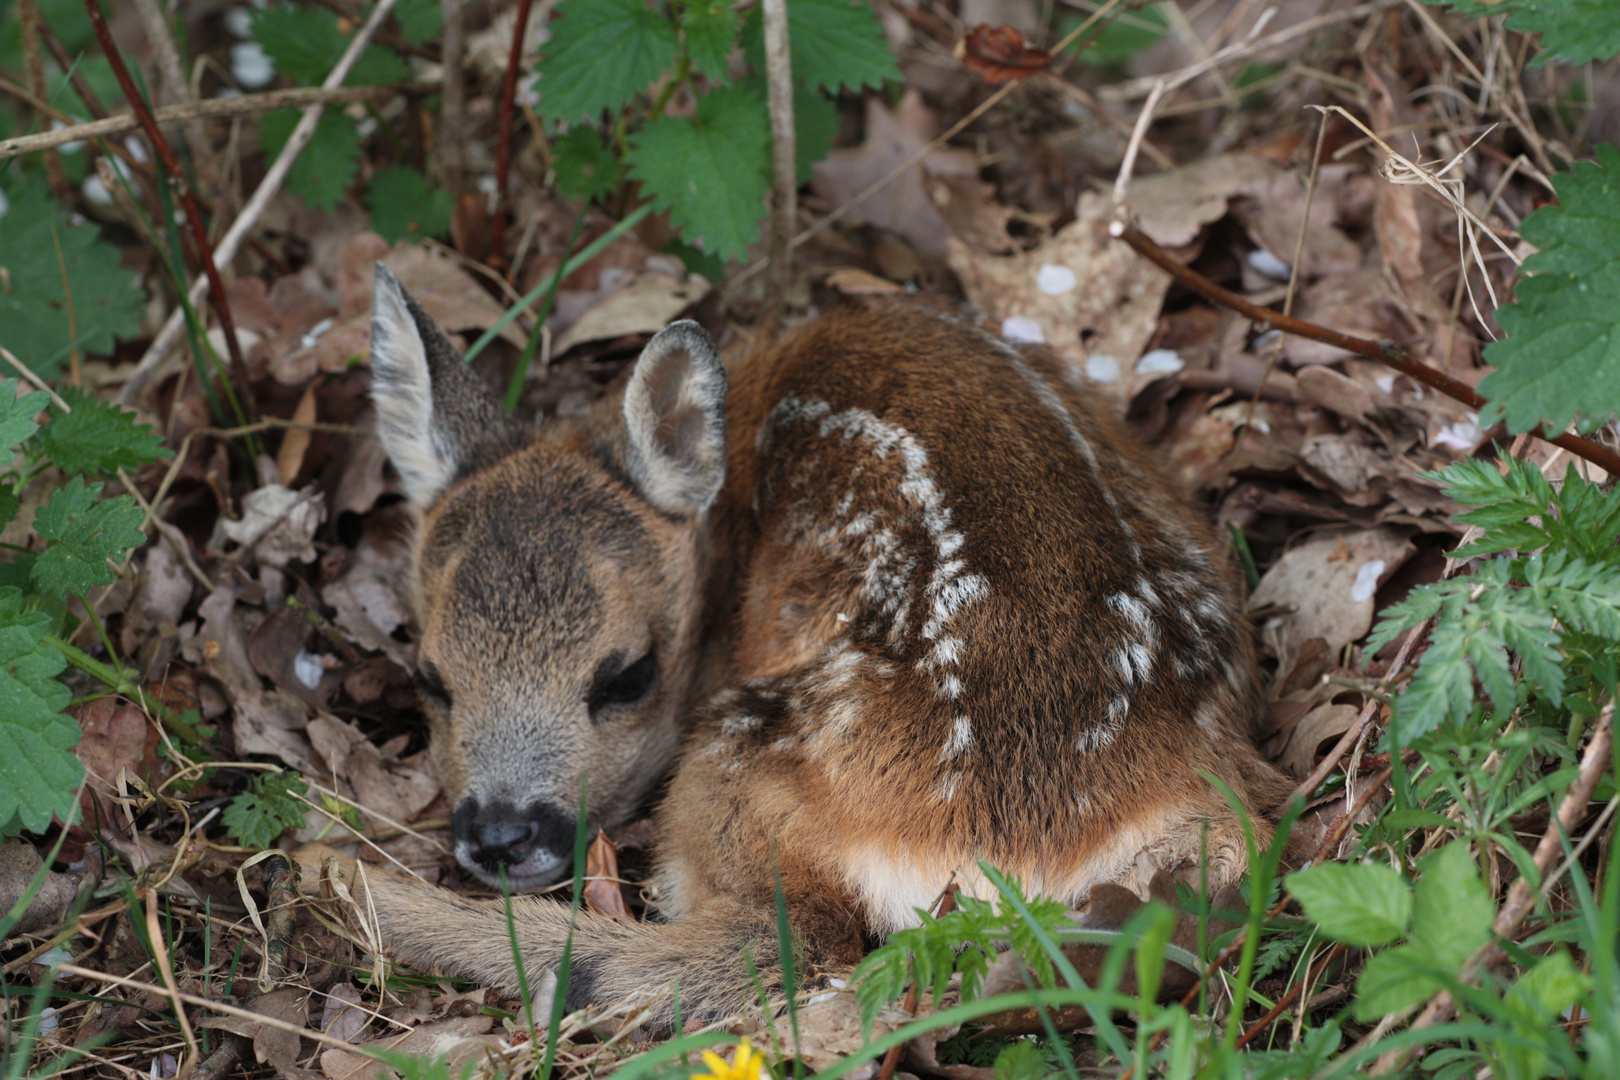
x,y
436,419
675,417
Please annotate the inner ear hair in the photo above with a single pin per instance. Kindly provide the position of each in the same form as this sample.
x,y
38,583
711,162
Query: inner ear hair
x,y
675,420
436,418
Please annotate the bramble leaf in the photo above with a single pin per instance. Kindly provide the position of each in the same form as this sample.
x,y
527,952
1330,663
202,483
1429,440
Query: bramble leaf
x,y
835,44
327,166
38,773
1572,31
267,809
404,206
419,20
586,169
34,308
1562,349
601,54
98,438
711,171
1360,904
17,413
709,28
84,534
305,44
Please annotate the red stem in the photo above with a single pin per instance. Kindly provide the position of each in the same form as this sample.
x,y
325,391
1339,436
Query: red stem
x,y
503,148
199,233
1384,352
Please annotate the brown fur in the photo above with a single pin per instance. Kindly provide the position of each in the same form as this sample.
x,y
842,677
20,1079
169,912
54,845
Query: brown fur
x,y
949,611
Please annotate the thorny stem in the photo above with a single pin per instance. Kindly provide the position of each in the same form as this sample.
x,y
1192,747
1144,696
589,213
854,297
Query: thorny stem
x,y
1384,352
199,231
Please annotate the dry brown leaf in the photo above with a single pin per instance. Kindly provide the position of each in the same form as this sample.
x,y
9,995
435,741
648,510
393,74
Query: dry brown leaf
x,y
893,136
1091,300
1326,587
117,737
1000,54
279,524
384,783
19,863
341,1016
602,892
295,443
1325,723
852,281
642,305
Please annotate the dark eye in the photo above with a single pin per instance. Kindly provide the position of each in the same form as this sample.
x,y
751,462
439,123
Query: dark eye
x,y
430,686
622,686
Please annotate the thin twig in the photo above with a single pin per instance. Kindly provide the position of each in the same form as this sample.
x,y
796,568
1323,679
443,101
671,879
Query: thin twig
x,y
503,144
245,105
1384,352
226,249
944,906
784,166
1312,974
199,231
1522,896
450,153
174,87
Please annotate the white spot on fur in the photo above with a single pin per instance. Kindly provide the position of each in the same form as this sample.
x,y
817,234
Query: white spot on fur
x,y
739,724
948,786
1119,706
1208,718
961,738
1094,738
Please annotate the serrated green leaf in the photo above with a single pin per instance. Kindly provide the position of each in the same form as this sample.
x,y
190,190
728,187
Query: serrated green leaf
x,y
34,312
98,438
815,125
83,535
419,20
1562,349
1124,35
327,166
267,809
9,505
1360,904
586,169
1451,908
1393,980
834,45
404,206
305,44
711,171
38,772
17,413
709,30
601,54
1572,31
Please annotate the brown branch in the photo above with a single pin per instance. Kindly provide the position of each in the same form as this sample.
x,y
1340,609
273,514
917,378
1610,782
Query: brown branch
x,y
945,905
295,97
503,145
199,232
784,166
1522,896
1384,352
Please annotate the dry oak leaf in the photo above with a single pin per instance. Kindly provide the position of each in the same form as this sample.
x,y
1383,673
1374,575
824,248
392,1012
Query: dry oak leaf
x,y
1326,588
602,892
1000,54
893,137
643,305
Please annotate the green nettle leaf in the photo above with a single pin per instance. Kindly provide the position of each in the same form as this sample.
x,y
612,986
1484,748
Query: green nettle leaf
x,y
419,20
1562,349
586,169
835,44
327,166
40,325
815,125
84,534
601,54
709,28
1572,31
305,44
1361,904
17,413
710,172
267,809
99,438
404,206
38,772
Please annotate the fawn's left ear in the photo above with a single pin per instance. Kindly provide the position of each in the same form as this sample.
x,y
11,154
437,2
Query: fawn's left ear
x,y
436,419
675,417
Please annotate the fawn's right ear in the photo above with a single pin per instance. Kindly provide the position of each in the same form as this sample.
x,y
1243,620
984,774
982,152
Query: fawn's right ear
x,y
436,419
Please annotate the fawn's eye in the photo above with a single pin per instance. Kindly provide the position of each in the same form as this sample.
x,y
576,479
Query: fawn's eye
x,y
626,685
430,685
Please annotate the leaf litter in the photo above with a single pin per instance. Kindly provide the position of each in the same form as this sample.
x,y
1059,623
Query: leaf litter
x,y
290,647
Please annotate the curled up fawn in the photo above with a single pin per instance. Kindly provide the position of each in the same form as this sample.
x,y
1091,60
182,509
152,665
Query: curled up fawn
x,y
886,599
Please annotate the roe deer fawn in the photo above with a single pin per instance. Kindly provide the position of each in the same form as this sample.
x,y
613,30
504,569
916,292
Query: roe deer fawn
x,y
901,599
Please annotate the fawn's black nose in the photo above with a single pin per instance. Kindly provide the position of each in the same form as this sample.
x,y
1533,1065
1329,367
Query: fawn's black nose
x,y
495,834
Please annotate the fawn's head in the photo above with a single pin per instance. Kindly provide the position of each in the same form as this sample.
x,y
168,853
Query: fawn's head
x,y
557,582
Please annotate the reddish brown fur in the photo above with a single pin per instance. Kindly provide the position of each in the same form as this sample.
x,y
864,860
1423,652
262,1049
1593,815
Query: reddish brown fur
x,y
890,457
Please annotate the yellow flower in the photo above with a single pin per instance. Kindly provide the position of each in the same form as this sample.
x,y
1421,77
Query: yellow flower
x,y
749,1064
